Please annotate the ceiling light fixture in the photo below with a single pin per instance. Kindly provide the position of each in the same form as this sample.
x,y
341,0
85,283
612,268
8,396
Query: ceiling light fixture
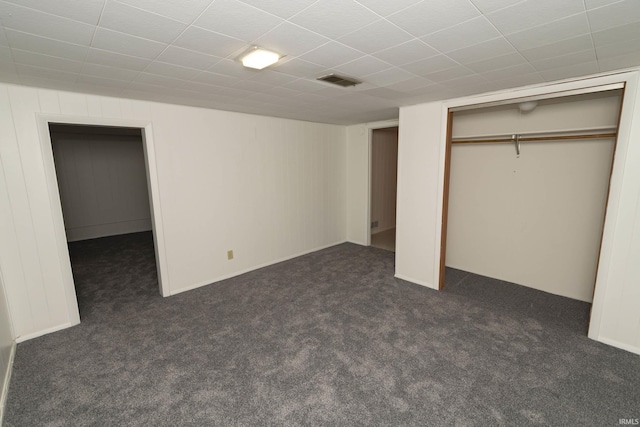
x,y
259,58
527,107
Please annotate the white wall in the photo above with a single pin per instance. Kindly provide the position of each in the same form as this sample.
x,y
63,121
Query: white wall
x,y
384,168
103,183
615,315
534,219
7,347
267,188
419,150
358,180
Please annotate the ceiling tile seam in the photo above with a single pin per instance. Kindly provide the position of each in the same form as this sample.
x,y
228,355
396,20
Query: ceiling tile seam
x,y
499,9
93,34
143,10
593,44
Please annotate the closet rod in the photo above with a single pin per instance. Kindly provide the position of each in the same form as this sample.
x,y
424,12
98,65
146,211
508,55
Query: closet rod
x,y
535,138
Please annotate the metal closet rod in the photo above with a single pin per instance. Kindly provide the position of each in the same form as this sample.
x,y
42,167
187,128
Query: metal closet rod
x,y
517,137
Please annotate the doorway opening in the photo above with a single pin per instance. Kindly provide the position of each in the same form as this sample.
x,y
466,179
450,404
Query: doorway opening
x,y
384,184
102,181
526,192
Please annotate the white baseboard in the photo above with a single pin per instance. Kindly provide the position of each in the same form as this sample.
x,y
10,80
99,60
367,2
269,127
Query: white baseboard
x,y
37,334
416,281
247,270
7,380
620,345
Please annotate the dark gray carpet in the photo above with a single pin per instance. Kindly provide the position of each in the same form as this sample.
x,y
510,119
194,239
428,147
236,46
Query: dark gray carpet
x,y
330,338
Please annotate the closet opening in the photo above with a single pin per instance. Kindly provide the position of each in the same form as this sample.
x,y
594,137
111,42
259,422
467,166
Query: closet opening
x,y
384,184
102,181
526,189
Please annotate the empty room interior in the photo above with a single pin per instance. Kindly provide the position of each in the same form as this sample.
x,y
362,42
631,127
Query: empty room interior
x,y
319,212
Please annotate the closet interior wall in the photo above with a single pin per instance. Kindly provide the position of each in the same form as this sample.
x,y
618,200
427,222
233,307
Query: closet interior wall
x,y
534,219
102,180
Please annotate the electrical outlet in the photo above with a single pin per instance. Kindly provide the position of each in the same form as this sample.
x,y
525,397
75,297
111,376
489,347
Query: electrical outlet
x,y
230,255
374,224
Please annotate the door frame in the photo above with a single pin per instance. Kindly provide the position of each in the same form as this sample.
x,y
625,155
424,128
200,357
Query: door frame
x,y
628,81
151,171
370,127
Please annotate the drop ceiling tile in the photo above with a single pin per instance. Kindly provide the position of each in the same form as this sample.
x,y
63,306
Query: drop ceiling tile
x,y
430,65
236,19
386,7
283,92
187,58
283,9
388,77
618,49
377,36
474,31
508,72
430,16
107,72
4,41
252,85
104,82
616,34
7,67
334,18
620,62
614,15
385,93
485,50
497,63
126,44
542,35
137,22
45,25
273,78
411,84
488,6
566,60
215,79
233,68
516,81
304,85
331,54
154,79
573,70
449,74
300,68
87,11
208,42
170,70
24,41
531,13
45,61
406,53
181,11
102,57
291,40
562,47
363,66
45,73
592,4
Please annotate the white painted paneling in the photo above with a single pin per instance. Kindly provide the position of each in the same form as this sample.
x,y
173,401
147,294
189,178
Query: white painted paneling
x,y
384,168
358,179
358,184
419,150
103,184
615,315
534,219
267,188
7,347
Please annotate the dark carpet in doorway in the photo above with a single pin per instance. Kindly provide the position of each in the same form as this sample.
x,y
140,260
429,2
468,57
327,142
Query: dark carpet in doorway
x,y
330,338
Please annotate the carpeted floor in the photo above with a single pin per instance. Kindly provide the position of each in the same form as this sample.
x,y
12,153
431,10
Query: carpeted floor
x,y
330,338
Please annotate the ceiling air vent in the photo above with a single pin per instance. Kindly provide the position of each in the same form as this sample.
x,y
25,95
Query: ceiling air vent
x,y
339,80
